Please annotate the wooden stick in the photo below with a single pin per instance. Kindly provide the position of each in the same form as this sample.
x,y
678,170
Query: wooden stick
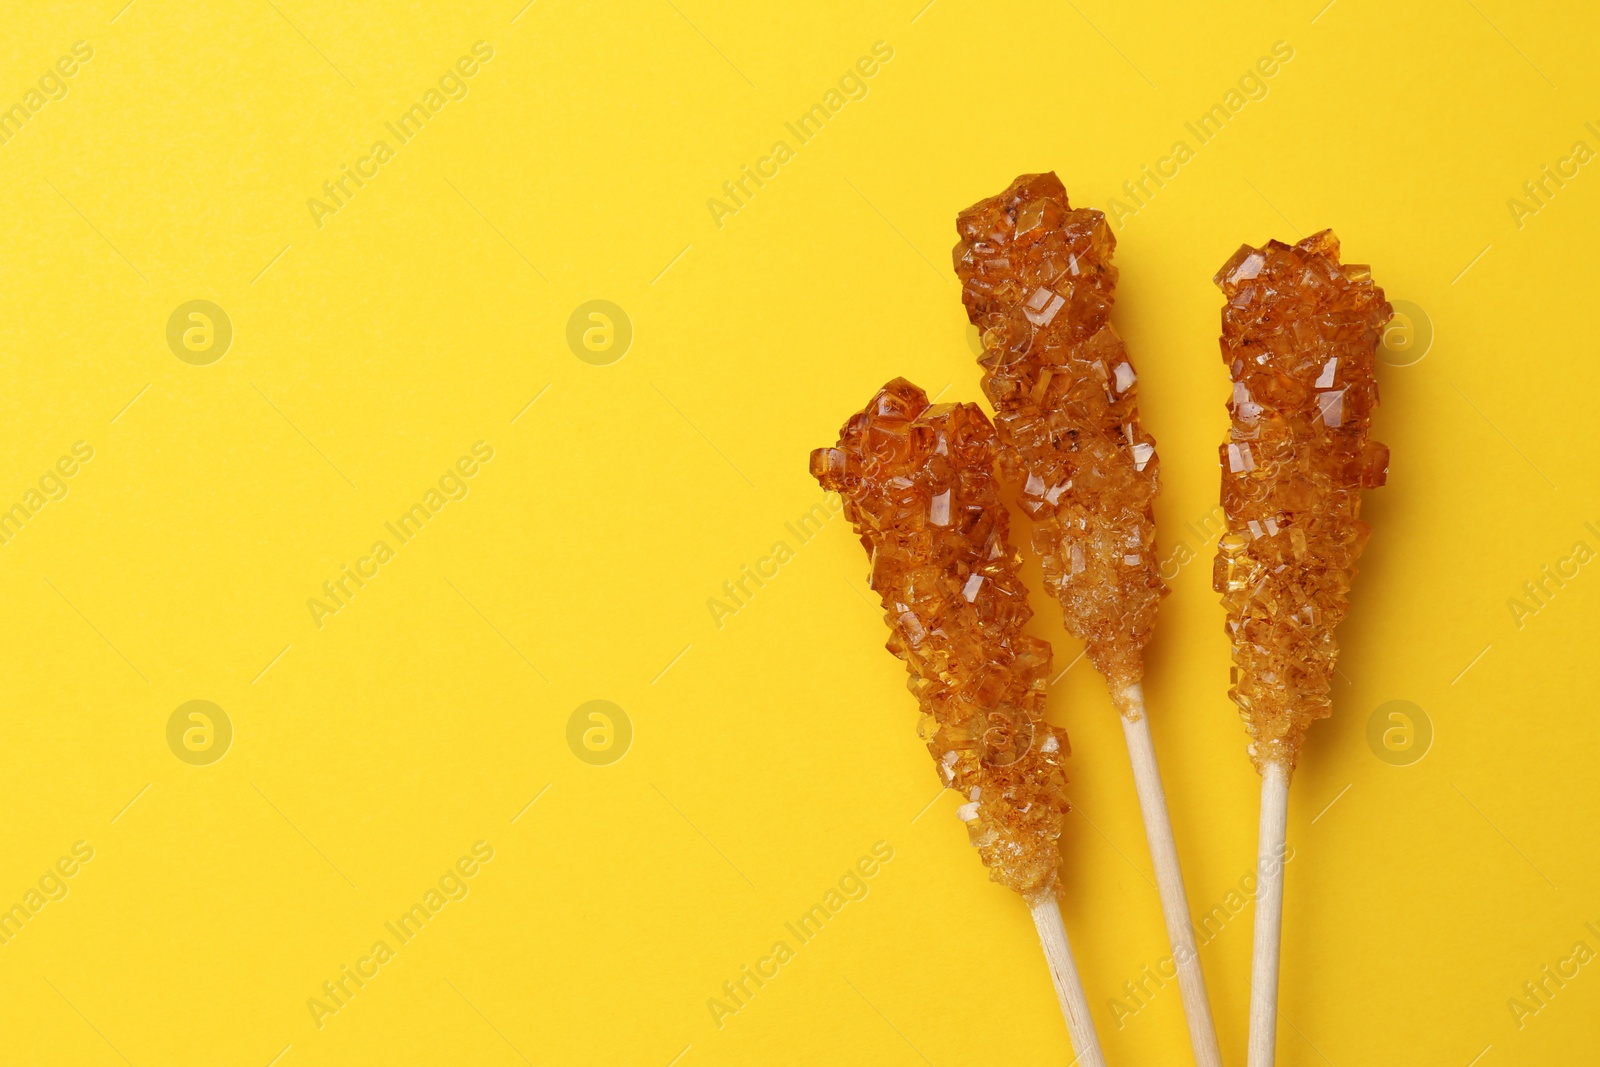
x,y
1064,973
1169,878
1269,915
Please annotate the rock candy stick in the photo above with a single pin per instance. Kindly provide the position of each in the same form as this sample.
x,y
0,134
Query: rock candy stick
x,y
919,489
1300,334
1037,280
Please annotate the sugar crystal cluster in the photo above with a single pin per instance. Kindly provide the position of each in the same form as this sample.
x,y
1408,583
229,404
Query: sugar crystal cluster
x,y
1037,281
919,489
1300,333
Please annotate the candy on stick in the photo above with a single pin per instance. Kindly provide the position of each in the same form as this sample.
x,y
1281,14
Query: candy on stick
x,y
1037,280
919,489
1300,333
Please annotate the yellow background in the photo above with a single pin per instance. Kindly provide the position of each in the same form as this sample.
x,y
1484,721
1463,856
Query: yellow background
x,y
769,754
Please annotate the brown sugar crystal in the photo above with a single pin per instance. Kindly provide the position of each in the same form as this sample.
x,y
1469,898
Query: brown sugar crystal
x,y
1299,335
1037,281
919,489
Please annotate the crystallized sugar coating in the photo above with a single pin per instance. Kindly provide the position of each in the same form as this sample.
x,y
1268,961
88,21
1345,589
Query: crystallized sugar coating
x,y
918,486
1299,336
1037,281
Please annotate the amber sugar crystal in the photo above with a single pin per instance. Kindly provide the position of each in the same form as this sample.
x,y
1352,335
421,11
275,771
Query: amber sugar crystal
x,y
1037,281
1300,333
919,488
